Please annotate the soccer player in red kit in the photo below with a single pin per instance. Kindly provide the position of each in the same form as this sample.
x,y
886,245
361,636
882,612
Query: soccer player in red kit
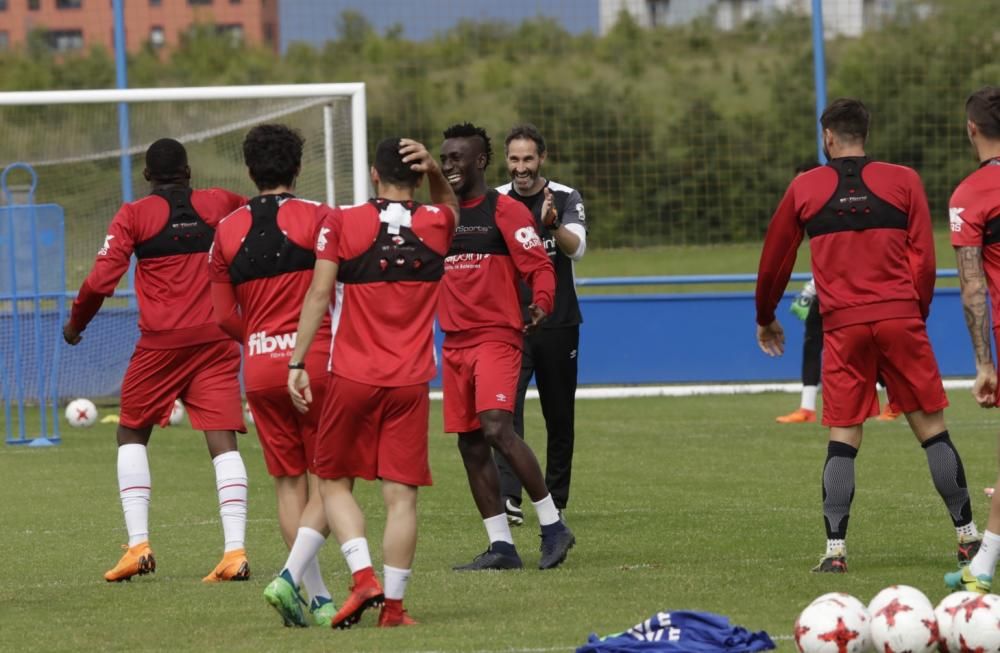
x,y
181,351
480,314
261,265
873,262
974,215
378,266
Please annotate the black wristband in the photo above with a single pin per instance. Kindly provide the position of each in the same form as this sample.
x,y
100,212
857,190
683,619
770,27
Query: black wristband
x,y
297,366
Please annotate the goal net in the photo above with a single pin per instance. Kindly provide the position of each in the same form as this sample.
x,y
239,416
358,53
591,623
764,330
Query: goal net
x,y
88,156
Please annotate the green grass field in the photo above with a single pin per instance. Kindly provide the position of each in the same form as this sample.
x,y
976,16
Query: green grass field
x,y
701,503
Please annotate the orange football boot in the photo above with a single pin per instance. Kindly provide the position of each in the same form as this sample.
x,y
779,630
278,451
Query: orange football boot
x,y
393,615
889,413
365,593
797,416
138,560
234,566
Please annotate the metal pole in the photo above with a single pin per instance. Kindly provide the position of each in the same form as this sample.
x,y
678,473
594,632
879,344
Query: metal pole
x,y
328,145
819,73
121,81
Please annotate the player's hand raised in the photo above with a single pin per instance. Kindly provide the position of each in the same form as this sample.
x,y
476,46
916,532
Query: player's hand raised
x,y
70,334
771,339
984,388
298,388
416,155
549,213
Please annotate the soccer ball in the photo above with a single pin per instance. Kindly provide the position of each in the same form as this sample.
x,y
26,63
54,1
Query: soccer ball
x,y
846,600
81,413
832,625
902,619
247,414
945,612
977,624
177,413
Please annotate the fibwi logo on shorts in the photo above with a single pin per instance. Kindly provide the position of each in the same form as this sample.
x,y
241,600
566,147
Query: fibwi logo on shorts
x,y
261,343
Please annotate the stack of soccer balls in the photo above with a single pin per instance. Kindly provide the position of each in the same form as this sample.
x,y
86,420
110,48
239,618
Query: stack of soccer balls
x,y
900,619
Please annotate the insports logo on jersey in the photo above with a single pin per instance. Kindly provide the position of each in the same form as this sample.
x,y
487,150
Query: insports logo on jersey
x,y
528,237
106,246
955,218
321,241
261,343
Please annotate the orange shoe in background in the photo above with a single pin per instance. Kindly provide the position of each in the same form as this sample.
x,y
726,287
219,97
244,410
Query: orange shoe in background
x,y
889,413
234,566
137,561
797,416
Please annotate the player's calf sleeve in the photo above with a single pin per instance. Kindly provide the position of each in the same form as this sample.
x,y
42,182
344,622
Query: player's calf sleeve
x,y
231,482
134,489
838,488
949,477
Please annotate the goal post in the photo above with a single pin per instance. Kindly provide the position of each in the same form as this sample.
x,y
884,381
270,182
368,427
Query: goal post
x,y
71,140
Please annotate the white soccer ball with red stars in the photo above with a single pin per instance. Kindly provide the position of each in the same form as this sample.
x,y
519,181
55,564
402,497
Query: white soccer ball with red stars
x,y
903,621
832,625
945,612
177,413
977,624
247,413
81,413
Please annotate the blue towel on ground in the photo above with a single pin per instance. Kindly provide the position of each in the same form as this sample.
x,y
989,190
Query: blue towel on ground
x,y
681,630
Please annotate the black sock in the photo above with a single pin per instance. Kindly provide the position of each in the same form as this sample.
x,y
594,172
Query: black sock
x,y
949,477
838,488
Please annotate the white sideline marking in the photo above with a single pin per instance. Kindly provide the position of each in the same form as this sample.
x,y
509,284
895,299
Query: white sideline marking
x,y
623,392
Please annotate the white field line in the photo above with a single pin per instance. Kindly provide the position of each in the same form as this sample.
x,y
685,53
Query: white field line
x,y
623,392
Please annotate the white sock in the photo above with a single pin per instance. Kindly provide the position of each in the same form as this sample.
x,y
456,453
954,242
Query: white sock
x,y
231,482
968,532
497,529
985,562
307,544
809,397
356,554
394,582
312,581
838,547
547,511
134,489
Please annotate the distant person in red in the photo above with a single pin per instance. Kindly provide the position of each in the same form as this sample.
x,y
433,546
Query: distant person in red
x,y
378,265
873,262
181,352
495,247
974,216
261,265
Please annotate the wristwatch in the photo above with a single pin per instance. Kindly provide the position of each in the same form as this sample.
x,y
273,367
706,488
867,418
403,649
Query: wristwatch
x,y
297,366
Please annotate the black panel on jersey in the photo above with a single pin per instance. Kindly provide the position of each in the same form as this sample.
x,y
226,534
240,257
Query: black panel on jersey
x,y
853,206
393,257
185,231
266,251
477,231
991,234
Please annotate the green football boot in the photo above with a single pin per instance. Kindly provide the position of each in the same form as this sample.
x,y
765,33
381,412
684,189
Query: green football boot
x,y
283,596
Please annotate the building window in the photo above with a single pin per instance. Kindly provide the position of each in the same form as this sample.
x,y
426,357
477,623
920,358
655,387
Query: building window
x,y
269,33
3,5
65,40
234,32
199,2
69,4
235,2
4,40
34,5
155,3
157,38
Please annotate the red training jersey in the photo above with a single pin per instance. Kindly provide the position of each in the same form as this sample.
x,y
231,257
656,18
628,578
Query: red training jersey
x,y
974,216
257,296
870,236
390,257
175,308
495,245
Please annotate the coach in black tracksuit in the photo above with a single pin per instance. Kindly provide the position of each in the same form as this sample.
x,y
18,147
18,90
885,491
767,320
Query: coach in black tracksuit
x,y
550,354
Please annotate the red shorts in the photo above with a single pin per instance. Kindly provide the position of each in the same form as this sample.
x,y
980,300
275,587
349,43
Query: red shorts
x,y
476,379
373,432
287,437
205,377
854,356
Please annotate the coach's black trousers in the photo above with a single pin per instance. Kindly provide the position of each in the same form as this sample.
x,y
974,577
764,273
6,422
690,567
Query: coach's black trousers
x,y
812,346
550,355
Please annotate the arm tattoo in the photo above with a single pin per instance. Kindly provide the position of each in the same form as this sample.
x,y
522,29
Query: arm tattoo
x,y
977,317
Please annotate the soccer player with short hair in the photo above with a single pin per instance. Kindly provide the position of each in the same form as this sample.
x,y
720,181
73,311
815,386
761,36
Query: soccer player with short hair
x,y
872,250
378,266
261,265
480,315
181,351
550,352
974,215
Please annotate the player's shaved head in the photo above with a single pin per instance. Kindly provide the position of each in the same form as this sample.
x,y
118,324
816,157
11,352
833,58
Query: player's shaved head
x,y
475,134
390,167
848,118
983,109
166,159
273,154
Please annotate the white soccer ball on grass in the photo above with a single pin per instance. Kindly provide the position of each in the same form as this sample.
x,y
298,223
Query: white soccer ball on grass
x,y
177,413
81,413
833,625
902,619
977,624
946,611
